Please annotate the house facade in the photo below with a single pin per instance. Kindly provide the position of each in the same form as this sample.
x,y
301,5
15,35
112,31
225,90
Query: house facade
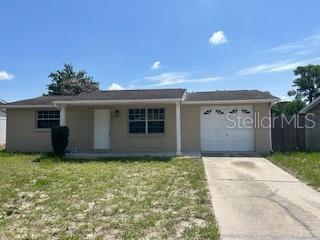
x,y
144,121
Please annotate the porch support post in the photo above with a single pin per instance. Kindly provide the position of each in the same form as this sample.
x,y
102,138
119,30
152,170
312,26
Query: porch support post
x,y
63,113
178,128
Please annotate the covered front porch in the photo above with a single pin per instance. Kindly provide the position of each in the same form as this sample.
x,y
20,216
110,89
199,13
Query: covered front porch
x,y
122,129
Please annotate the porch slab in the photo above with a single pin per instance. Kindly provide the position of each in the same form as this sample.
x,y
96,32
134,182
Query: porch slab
x,y
132,154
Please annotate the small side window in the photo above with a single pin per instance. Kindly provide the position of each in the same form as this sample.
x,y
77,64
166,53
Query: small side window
x,y
245,111
219,112
233,111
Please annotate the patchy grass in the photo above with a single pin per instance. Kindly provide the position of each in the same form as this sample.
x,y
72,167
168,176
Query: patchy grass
x,y
129,198
304,165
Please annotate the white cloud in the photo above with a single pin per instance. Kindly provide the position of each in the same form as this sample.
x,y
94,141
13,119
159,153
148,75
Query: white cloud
x,y
304,46
171,78
156,65
281,66
115,86
218,38
6,76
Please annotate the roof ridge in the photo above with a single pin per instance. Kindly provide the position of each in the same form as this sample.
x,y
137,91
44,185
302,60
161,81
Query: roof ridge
x,y
241,90
151,89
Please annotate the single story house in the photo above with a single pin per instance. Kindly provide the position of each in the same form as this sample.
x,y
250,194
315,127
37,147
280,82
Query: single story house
x,y
3,122
144,121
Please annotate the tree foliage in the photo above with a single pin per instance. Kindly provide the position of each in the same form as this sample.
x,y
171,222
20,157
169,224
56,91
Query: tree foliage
x,y
287,108
69,82
307,85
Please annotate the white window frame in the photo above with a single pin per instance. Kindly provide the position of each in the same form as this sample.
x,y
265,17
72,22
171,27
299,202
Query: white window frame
x,y
49,119
146,120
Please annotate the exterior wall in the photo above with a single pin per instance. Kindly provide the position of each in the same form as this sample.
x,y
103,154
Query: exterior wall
x,y
3,123
2,114
262,133
190,124
122,141
190,128
80,122
22,134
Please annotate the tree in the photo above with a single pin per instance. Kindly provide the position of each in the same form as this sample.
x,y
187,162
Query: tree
x,y
287,108
69,82
307,85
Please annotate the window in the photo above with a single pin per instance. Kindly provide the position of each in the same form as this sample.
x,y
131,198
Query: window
x,y
233,111
245,111
156,120
137,120
207,112
48,119
219,112
150,120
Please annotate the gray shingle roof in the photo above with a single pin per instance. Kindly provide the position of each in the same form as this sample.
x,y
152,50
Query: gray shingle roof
x,y
151,94
228,95
107,95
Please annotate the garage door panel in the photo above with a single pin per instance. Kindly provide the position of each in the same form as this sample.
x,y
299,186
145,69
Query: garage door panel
x,y
222,128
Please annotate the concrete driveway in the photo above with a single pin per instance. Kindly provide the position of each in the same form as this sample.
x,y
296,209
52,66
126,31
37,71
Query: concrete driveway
x,y
254,199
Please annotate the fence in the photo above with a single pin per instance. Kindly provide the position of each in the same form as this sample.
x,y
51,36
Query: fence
x,y
296,134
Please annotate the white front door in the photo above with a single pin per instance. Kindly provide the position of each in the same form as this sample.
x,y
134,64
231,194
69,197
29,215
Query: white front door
x,y
101,129
227,128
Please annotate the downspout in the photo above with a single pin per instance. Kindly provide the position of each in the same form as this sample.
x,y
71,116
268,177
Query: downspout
x,y
270,129
178,128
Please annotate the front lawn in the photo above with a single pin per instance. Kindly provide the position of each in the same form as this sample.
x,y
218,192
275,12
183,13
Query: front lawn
x,y
305,166
149,198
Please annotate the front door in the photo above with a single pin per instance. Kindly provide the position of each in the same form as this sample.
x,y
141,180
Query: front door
x,y
101,129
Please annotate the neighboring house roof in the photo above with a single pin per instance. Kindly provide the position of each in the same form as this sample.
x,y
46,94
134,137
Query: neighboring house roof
x,y
229,95
151,95
2,111
310,106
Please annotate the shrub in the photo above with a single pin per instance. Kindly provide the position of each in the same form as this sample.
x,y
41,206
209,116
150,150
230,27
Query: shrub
x,y
59,139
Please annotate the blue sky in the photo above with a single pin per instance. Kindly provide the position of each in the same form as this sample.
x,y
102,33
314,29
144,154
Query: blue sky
x,y
195,44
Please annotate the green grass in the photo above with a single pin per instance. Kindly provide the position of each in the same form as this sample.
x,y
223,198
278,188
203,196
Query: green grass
x,y
129,198
304,165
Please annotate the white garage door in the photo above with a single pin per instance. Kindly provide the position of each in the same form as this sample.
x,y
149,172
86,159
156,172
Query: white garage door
x,y
227,128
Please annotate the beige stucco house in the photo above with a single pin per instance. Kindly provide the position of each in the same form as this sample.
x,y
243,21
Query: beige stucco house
x,y
145,121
